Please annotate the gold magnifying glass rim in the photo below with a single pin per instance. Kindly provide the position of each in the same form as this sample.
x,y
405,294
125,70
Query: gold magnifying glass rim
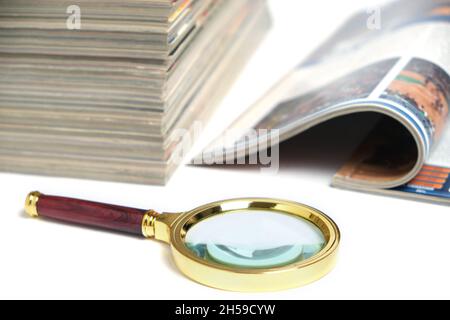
x,y
229,278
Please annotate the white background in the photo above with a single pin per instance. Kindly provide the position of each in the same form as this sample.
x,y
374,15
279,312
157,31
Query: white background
x,y
391,248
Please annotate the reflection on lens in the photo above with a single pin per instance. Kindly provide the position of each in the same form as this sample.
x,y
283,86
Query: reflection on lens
x,y
255,239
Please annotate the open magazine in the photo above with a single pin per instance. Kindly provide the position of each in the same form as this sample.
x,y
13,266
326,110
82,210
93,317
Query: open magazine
x,y
400,71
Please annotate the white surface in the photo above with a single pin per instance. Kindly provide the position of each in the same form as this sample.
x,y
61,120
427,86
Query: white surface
x,y
391,248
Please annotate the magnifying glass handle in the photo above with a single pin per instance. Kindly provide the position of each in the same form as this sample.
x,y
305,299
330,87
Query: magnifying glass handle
x,y
106,216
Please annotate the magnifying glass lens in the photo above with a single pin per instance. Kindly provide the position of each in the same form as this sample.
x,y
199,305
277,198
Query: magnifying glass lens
x,y
255,239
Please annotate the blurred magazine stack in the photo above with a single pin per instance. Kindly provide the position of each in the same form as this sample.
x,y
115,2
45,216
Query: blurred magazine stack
x,y
394,63
99,90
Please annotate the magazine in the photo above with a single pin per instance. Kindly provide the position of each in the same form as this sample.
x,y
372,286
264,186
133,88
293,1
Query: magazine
x,y
100,89
398,69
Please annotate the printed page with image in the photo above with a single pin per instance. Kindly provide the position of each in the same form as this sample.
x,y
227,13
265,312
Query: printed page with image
x,y
395,62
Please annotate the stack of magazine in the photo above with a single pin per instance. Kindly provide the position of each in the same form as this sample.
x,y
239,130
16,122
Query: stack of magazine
x,y
101,89
392,62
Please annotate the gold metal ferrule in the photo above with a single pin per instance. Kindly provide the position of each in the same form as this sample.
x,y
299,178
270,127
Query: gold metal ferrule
x,y
31,204
148,224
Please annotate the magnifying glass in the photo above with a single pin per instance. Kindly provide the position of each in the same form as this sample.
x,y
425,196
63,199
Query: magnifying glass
x,y
245,245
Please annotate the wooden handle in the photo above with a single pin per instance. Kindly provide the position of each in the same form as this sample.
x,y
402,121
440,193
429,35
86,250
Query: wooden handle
x,y
86,213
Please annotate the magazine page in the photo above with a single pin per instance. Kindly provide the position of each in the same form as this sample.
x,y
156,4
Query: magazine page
x,y
421,89
433,181
345,54
363,72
